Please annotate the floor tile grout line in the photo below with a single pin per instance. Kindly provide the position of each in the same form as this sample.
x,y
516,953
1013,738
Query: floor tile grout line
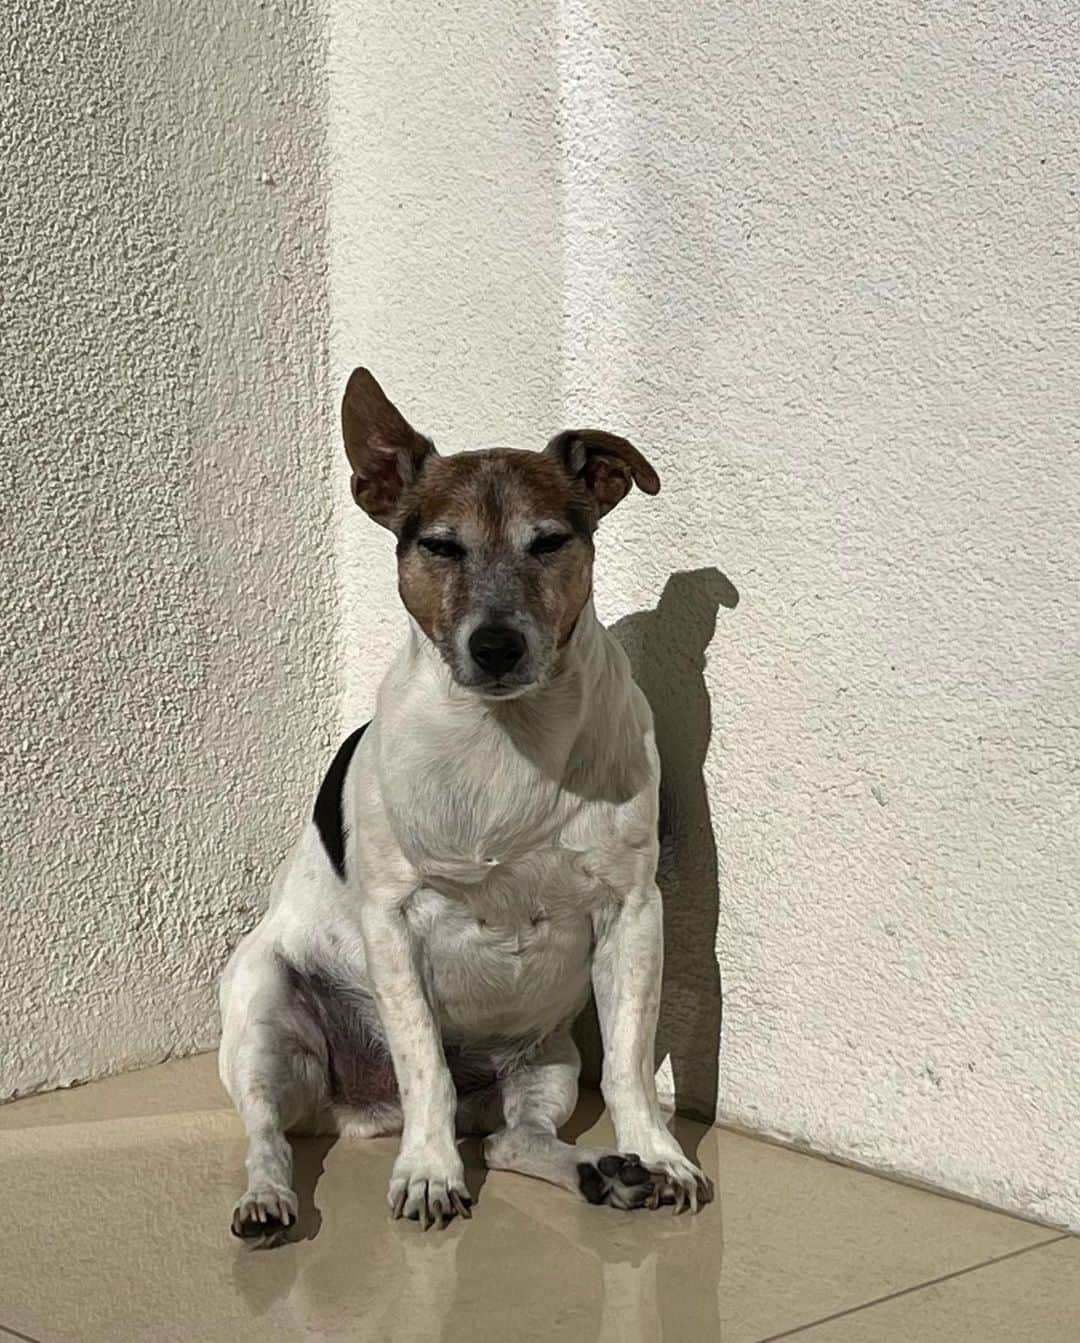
x,y
14,1333
916,1287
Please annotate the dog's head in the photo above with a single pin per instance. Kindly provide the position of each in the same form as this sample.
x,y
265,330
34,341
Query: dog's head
x,y
495,546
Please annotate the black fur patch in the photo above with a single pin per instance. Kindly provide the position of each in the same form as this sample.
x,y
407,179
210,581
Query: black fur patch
x,y
328,815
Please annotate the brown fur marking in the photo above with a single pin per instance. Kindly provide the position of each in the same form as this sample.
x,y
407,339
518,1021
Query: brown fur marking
x,y
491,501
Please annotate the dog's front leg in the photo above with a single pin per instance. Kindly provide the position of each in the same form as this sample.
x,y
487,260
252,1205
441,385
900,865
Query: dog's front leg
x,y
428,1179
627,972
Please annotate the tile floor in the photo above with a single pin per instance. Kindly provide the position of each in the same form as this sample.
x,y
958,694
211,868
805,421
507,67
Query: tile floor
x,y
115,1200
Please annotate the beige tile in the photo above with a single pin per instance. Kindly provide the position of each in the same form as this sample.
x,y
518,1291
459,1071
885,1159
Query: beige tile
x,y
179,1086
1033,1297
116,1199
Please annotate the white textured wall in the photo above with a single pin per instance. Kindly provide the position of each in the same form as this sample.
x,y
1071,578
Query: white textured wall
x,y
166,570
821,262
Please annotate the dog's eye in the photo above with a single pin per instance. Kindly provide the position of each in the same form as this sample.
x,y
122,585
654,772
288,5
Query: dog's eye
x,y
548,545
445,549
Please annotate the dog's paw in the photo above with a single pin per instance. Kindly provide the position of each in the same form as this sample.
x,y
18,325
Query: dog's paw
x,y
265,1213
677,1181
430,1192
618,1180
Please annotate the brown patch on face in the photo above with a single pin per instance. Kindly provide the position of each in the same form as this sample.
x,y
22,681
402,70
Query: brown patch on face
x,y
575,596
492,514
421,587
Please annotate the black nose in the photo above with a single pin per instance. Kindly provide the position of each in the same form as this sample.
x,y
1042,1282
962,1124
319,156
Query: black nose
x,y
496,649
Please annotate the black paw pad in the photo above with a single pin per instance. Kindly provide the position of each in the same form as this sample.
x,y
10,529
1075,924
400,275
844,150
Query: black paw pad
x,y
620,1181
591,1182
633,1172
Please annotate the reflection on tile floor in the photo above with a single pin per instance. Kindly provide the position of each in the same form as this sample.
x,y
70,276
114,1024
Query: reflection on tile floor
x,y
117,1196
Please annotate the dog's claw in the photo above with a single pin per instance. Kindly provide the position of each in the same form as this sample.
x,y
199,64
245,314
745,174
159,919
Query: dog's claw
x,y
264,1215
680,1183
428,1202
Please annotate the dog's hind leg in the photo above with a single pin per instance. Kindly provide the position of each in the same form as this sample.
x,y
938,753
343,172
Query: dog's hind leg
x,y
536,1100
273,1065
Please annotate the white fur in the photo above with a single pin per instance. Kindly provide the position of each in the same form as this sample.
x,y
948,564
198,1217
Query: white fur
x,y
500,857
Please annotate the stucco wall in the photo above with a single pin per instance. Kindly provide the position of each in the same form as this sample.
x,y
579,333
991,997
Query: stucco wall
x,y
445,252
820,262
166,568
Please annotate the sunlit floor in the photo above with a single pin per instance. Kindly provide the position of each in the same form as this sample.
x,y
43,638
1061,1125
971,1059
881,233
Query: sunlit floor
x,y
116,1197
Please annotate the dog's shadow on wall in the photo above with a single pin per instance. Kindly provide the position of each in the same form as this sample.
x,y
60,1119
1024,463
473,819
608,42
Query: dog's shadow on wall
x,y
667,648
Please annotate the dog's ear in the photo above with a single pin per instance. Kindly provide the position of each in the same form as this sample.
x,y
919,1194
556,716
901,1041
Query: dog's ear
x,y
385,451
605,463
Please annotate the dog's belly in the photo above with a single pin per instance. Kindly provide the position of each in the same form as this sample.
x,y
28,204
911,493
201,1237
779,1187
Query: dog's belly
x,y
503,981
507,956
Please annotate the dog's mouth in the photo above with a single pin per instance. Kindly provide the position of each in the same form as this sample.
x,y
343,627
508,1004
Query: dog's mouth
x,y
503,691
471,679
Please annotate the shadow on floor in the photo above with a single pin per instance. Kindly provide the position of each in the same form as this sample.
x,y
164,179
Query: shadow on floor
x,y
309,1162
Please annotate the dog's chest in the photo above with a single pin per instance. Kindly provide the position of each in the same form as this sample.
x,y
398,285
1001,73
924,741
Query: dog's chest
x,y
464,817
503,914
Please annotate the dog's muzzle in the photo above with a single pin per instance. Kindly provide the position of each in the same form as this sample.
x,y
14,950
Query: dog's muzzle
x,y
497,649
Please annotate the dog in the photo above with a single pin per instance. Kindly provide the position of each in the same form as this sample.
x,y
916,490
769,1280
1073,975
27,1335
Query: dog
x,y
481,855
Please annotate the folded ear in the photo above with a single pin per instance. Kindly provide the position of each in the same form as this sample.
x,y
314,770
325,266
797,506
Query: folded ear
x,y
385,451
606,463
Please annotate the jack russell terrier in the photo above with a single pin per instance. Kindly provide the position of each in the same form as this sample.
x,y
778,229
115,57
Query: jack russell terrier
x,y
480,854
